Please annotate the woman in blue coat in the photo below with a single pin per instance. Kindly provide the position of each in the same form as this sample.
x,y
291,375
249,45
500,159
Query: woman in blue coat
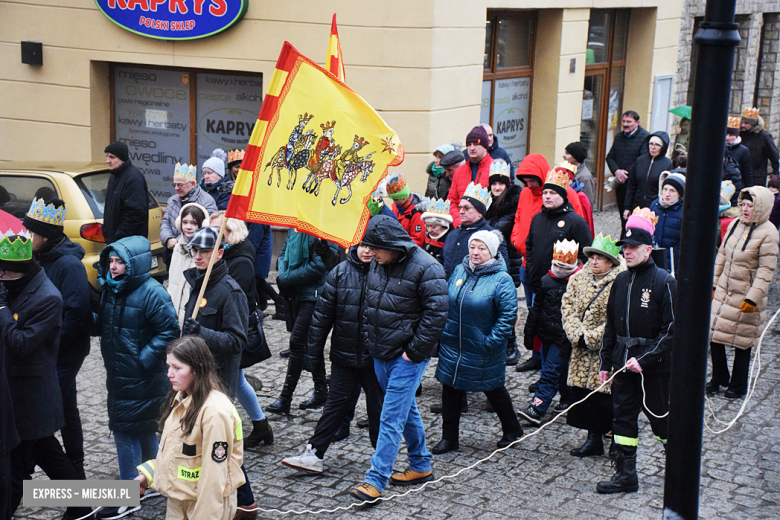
x,y
472,351
136,322
668,208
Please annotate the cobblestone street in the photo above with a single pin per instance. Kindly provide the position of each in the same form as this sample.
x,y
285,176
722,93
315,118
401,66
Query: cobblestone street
x,y
537,479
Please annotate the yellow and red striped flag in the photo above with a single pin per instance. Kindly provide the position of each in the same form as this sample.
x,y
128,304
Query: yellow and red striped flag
x,y
316,155
335,62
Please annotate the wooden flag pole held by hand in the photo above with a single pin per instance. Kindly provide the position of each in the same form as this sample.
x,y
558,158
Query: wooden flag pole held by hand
x,y
214,253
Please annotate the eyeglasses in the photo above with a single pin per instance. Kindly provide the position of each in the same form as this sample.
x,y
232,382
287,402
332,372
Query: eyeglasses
x,y
465,208
180,184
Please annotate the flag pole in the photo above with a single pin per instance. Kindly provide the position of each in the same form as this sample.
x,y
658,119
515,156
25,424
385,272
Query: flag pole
x,y
214,253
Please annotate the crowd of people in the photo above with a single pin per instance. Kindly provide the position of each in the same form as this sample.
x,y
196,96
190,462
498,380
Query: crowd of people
x,y
435,275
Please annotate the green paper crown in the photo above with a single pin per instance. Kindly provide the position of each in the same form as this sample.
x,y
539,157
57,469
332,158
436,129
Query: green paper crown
x,y
606,244
20,250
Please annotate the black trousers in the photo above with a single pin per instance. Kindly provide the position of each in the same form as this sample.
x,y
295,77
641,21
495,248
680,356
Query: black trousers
x,y
627,401
452,401
299,337
265,291
244,495
738,379
72,434
620,196
594,414
343,382
5,487
48,454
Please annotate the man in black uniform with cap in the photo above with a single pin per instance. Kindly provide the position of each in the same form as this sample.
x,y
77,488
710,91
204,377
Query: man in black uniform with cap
x,y
637,336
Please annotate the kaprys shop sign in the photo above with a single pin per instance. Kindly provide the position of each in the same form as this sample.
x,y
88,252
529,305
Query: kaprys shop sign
x,y
174,19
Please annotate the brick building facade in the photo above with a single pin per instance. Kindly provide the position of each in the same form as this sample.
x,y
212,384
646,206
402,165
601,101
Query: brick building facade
x,y
756,77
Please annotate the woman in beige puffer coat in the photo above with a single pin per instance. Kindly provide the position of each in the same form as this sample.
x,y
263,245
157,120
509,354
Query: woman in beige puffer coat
x,y
584,314
744,269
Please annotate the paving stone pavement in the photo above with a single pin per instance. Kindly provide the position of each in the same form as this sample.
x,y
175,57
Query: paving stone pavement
x,y
537,479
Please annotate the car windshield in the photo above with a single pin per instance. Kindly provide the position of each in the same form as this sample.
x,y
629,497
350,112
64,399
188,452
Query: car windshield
x,y
94,186
17,192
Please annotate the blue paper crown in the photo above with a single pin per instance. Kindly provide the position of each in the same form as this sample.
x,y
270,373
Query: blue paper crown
x,y
50,214
476,191
185,170
499,168
438,206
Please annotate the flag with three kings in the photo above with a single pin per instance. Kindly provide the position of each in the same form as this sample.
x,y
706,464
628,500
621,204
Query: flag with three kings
x,y
316,154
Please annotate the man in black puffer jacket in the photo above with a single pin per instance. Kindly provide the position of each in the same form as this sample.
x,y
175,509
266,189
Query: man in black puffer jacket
x,y
557,221
61,260
340,307
405,312
126,211
645,173
761,145
738,153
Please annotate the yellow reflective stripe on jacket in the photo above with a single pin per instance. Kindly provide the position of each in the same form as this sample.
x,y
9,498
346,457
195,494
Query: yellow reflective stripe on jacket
x,y
239,430
190,474
147,468
626,441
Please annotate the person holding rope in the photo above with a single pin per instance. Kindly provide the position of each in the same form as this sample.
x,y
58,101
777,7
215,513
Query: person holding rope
x,y
744,269
637,343
584,313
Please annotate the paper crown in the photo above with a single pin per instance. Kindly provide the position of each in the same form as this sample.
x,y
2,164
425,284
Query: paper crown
x,y
362,142
566,165
236,155
305,117
733,122
20,250
750,113
727,190
499,167
185,170
642,218
375,203
327,125
438,207
559,176
395,183
476,191
565,251
606,244
50,214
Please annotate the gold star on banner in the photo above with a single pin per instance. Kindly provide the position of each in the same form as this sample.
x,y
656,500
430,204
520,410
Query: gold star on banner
x,y
387,142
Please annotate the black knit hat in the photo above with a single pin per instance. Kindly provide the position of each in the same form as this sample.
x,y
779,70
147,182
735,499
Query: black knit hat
x,y
478,204
119,149
577,150
46,218
453,157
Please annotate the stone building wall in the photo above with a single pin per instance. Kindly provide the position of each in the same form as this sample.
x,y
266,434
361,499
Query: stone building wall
x,y
753,83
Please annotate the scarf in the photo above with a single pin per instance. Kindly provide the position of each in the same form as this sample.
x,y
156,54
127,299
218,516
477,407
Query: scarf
x,y
476,268
667,205
562,270
16,285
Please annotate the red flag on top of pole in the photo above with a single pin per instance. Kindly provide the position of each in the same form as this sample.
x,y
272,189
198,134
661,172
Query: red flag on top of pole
x,y
335,62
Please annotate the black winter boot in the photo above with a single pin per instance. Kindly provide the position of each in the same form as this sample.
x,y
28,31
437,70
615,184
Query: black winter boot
x,y
613,450
625,479
282,405
317,399
261,431
512,352
594,446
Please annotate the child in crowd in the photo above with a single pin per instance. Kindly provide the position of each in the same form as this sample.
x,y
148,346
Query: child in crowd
x,y
545,321
668,206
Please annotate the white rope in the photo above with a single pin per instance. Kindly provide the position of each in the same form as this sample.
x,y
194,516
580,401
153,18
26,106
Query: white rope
x,y
644,400
752,380
445,477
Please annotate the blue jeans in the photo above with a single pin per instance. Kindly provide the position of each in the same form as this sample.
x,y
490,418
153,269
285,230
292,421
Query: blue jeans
x,y
399,379
132,450
248,399
552,378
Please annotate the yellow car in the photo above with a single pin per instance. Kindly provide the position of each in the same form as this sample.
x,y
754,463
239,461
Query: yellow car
x,y
83,188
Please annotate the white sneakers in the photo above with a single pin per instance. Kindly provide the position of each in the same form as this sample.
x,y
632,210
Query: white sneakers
x,y
307,460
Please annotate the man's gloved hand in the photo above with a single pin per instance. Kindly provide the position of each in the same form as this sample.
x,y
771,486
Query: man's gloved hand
x,y
3,295
747,306
191,327
528,342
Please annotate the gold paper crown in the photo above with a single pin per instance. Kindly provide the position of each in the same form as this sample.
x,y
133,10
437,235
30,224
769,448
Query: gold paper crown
x,y
733,122
327,125
305,117
236,155
185,171
20,250
476,191
565,252
558,176
750,113
50,214
646,214
438,207
362,142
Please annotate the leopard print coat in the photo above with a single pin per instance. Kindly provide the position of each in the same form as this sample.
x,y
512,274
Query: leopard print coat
x,y
583,287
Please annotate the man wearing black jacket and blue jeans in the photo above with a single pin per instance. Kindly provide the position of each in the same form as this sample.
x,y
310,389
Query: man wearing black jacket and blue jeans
x,y
126,210
405,312
637,335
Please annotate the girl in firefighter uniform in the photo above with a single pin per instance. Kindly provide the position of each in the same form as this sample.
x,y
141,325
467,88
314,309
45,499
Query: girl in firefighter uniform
x,y
198,465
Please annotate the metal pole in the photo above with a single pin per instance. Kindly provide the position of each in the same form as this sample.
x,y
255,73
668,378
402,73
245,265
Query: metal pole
x,y
716,39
